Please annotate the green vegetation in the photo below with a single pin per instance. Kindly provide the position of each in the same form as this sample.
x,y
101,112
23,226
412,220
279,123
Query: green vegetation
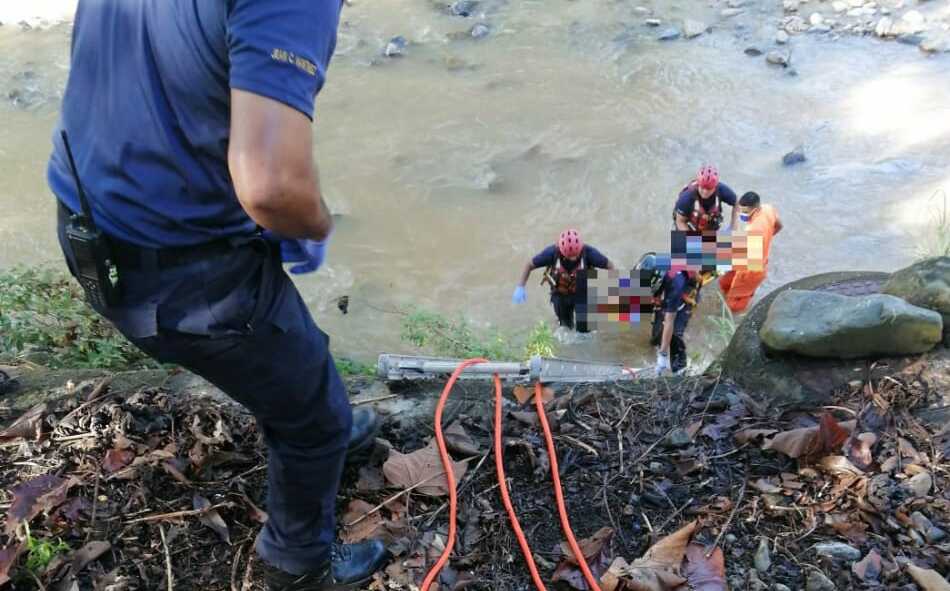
x,y
936,241
349,367
41,552
456,337
43,311
723,325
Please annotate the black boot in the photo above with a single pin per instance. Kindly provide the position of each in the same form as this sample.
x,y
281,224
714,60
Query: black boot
x,y
362,435
350,566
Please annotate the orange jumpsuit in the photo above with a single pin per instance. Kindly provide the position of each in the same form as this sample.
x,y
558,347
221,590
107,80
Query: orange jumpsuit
x,y
739,285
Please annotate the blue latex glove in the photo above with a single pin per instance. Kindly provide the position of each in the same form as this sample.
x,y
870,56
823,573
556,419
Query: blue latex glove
x,y
519,297
309,253
662,362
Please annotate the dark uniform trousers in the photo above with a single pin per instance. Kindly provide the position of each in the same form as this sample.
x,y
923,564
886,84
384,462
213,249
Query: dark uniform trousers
x,y
678,342
233,316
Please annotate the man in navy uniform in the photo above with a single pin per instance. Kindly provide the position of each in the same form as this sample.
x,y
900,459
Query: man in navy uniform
x,y
191,126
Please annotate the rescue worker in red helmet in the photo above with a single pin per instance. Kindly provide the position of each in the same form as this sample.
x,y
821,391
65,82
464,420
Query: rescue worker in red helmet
x,y
700,203
565,263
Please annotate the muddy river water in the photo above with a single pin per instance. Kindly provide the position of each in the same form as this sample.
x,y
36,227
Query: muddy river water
x,y
453,164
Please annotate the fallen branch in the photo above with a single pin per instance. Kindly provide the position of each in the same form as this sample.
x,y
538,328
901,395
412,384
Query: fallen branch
x,y
725,527
168,559
177,514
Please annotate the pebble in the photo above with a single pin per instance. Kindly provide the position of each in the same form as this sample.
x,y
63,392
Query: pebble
x,y
781,37
795,24
822,28
693,28
883,27
731,538
913,18
816,19
753,51
669,34
756,584
839,6
780,587
919,484
763,560
935,43
463,7
731,12
678,438
790,5
817,581
480,30
933,533
396,47
778,58
653,22
838,551
641,10
855,3
735,3
910,39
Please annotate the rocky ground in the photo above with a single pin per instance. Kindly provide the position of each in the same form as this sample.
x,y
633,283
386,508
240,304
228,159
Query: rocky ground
x,y
151,486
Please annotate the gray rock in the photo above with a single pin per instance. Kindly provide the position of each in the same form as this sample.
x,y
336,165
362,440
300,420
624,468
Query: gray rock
x,y
795,24
794,157
817,581
816,19
735,3
822,28
790,5
935,42
753,51
925,284
653,22
914,19
780,587
778,58
731,12
827,325
763,560
731,538
839,6
678,438
838,551
480,30
669,34
919,485
781,37
693,28
909,38
927,528
641,10
883,27
783,382
463,7
396,47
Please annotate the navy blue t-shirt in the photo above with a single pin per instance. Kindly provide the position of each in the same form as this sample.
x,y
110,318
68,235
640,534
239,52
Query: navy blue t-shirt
x,y
147,106
687,199
592,258
673,290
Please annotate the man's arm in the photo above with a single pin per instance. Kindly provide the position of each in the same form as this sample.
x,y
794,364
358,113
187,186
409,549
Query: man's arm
x,y
681,222
270,158
734,220
778,226
526,273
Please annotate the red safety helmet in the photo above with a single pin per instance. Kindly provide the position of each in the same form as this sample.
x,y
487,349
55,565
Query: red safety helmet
x,y
569,244
707,177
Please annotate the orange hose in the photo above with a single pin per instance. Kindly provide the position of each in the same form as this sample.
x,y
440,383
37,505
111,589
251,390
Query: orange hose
x,y
503,485
561,508
449,475
505,499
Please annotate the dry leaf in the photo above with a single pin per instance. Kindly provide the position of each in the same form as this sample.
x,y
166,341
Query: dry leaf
x,y
8,557
929,580
116,459
371,526
458,440
693,429
809,440
907,450
869,568
32,497
705,574
421,466
858,450
669,551
839,465
522,394
594,550
831,435
611,579
28,426
212,518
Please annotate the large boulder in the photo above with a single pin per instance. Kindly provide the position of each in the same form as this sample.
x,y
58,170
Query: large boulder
x,y
925,284
824,324
784,381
